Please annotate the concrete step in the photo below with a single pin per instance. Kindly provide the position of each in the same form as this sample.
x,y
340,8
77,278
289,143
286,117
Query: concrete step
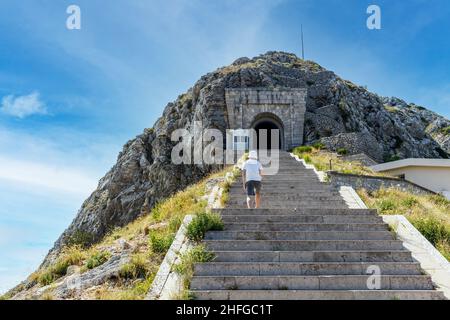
x,y
317,295
267,196
313,256
276,192
299,235
301,245
305,227
300,211
291,218
270,203
303,268
331,282
288,185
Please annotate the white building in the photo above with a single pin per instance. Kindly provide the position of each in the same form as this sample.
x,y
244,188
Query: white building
x,y
432,174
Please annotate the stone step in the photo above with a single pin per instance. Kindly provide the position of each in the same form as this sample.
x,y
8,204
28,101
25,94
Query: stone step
x,y
330,282
267,189
291,205
301,185
289,183
300,211
302,245
288,173
303,268
299,235
279,192
313,256
305,227
289,197
271,203
292,218
317,295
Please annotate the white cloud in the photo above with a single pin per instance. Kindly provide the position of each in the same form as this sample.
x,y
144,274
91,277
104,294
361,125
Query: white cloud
x,y
59,178
23,106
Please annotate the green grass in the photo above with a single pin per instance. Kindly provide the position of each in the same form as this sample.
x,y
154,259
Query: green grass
x,y
321,160
342,151
391,109
80,238
203,222
151,235
445,130
318,146
430,214
161,242
70,256
303,149
97,259
185,268
138,267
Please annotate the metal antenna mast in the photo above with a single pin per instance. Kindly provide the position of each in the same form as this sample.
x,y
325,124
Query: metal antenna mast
x,y
303,47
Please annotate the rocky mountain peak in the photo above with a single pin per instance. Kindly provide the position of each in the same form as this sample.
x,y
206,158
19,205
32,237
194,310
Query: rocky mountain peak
x,y
339,113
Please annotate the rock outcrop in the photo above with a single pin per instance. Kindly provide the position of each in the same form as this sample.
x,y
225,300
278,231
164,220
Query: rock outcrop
x,y
344,115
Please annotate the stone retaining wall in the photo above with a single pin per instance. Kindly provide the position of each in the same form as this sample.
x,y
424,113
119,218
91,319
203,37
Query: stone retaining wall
x,y
371,183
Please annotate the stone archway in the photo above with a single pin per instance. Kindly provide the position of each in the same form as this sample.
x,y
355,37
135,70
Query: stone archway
x,y
287,107
269,122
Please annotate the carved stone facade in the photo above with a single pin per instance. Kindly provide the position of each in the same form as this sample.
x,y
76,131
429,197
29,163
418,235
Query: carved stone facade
x,y
283,107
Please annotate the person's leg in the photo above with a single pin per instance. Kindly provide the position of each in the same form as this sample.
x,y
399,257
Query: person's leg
x,y
250,192
258,194
257,200
249,202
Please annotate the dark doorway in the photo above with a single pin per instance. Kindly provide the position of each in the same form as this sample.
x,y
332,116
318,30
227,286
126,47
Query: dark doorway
x,y
269,126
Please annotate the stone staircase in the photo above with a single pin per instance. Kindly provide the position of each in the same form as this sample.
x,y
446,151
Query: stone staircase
x,y
304,243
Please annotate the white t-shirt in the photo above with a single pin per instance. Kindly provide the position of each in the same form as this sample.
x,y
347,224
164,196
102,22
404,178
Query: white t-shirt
x,y
252,167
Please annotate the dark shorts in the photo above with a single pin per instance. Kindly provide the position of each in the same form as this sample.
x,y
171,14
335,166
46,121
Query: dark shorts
x,y
252,186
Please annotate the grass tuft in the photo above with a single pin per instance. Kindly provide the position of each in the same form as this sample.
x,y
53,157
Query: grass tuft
x,y
97,259
161,242
136,268
70,256
185,267
202,223
428,213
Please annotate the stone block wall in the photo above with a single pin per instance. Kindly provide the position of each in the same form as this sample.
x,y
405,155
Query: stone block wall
x,y
373,183
284,105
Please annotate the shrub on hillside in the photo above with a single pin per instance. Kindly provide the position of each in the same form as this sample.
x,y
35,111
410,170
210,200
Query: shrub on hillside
x,y
70,256
342,151
432,229
161,242
136,268
319,146
202,223
302,149
97,259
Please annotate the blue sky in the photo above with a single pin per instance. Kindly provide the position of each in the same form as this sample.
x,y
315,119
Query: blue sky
x,y
69,100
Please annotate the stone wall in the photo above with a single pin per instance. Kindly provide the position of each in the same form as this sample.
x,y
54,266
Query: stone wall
x,y
354,143
362,158
373,183
285,105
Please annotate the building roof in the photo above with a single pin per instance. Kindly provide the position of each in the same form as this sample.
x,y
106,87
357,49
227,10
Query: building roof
x,y
411,162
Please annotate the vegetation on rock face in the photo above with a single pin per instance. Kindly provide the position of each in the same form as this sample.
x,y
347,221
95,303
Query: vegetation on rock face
x,y
149,237
445,130
430,214
202,223
321,158
342,151
97,259
185,267
70,256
